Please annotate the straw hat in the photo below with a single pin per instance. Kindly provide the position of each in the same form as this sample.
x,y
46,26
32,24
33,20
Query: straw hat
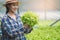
x,y
11,1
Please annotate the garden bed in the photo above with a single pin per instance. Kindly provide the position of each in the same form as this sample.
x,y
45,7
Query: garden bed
x,y
45,32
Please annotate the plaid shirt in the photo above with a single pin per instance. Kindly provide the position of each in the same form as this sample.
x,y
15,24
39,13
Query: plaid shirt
x,y
13,29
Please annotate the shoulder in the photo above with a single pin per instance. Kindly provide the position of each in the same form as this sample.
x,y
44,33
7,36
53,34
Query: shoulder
x,y
4,18
18,15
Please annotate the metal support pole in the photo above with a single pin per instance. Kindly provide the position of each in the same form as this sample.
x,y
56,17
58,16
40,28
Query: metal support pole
x,y
55,22
18,8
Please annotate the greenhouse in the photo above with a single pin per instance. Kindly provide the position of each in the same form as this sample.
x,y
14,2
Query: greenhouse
x,y
42,15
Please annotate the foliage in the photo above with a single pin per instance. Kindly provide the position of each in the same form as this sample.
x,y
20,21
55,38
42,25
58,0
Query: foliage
x,y
45,33
29,18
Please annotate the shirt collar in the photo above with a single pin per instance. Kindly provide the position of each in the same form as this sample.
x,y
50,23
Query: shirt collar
x,y
11,17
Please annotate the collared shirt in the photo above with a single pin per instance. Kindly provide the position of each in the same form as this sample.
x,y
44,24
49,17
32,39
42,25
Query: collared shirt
x,y
13,29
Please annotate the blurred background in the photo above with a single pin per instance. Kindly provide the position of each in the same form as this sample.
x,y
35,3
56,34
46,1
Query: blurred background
x,y
47,10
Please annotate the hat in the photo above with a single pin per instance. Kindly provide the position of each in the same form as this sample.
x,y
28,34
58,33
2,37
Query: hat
x,y
10,1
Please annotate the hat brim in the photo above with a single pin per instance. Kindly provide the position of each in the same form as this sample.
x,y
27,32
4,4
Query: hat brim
x,y
11,3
